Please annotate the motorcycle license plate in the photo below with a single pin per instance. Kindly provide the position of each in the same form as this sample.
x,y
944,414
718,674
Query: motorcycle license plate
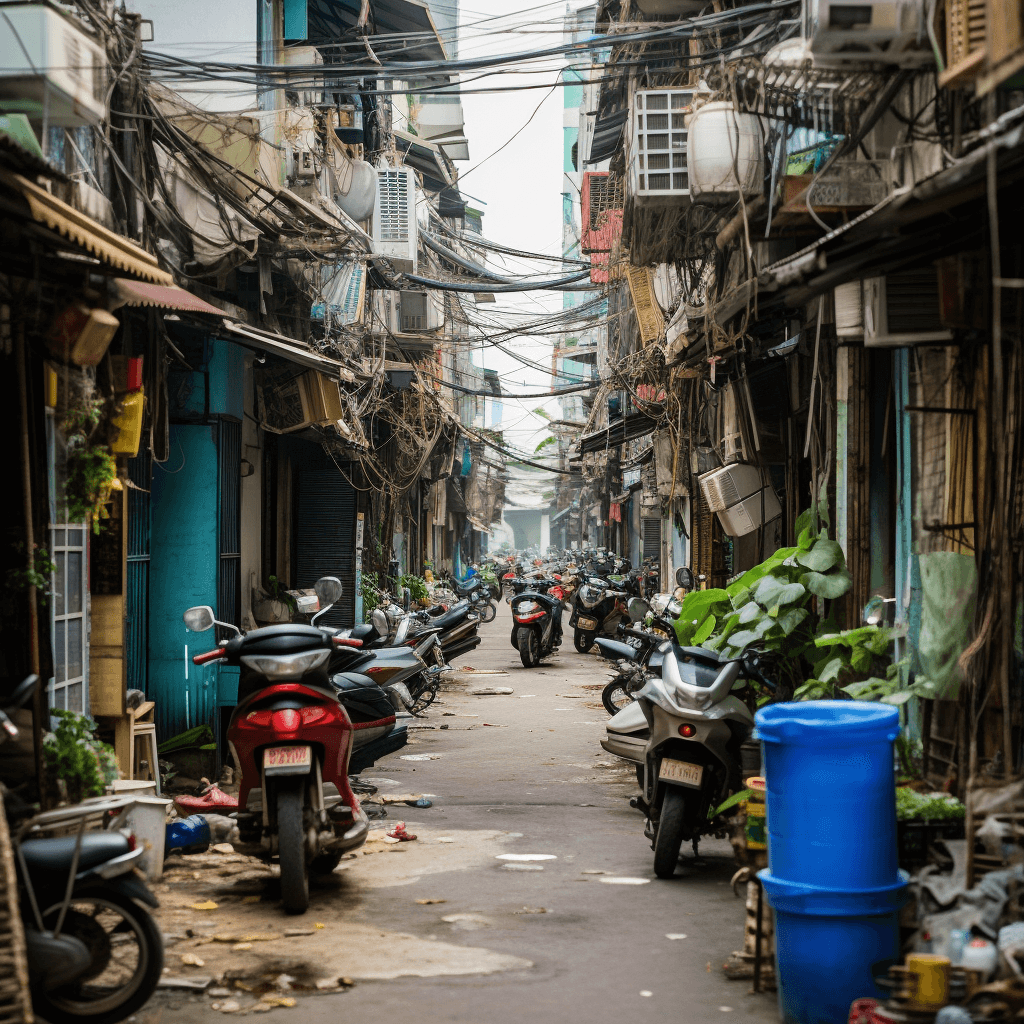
x,y
287,760
680,771
586,623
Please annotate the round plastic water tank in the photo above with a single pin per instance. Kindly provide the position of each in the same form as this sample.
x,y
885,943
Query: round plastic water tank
x,y
360,187
833,877
724,154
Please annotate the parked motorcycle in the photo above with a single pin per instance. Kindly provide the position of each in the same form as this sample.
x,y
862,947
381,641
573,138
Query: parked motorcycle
x,y
537,621
293,739
94,952
690,737
598,609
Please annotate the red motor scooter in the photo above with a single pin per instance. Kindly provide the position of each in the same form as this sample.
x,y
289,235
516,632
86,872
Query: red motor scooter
x,y
293,739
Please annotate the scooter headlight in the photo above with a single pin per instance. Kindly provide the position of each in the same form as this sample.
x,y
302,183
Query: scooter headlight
x,y
589,596
285,666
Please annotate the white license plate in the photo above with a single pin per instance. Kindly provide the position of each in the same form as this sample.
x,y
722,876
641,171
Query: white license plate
x,y
285,760
680,771
585,623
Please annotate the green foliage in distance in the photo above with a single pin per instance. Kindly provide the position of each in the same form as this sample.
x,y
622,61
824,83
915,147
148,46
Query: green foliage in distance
x,y
417,587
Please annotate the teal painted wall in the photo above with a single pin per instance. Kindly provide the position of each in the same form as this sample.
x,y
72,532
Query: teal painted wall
x,y
227,369
183,573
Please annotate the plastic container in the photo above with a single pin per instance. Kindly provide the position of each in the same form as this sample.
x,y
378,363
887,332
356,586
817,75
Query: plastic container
x,y
832,879
146,820
187,835
725,153
980,955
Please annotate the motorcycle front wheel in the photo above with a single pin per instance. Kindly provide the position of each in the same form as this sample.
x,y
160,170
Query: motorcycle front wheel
x,y
583,640
488,611
291,846
127,960
615,696
529,646
668,840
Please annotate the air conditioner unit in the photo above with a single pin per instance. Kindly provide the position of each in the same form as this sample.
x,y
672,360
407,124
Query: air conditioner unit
x,y
657,136
903,309
287,403
394,217
418,312
867,31
741,499
51,69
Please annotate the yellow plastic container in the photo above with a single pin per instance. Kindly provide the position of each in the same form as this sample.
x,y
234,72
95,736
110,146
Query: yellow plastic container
x,y
129,424
930,976
756,828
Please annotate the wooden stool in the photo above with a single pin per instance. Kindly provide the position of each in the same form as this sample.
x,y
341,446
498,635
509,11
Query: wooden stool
x,y
143,758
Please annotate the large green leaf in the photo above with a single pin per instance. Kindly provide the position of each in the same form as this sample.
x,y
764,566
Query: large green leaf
x,y
740,598
750,611
832,669
743,639
824,555
833,585
897,698
773,591
861,659
791,618
753,576
704,630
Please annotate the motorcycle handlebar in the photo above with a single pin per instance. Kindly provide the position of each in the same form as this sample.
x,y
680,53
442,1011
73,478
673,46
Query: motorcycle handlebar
x,y
214,655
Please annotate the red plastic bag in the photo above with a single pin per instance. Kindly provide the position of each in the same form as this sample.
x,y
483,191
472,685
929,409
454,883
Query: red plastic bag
x,y
213,799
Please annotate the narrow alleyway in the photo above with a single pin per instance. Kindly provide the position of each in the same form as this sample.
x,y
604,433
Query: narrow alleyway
x,y
546,940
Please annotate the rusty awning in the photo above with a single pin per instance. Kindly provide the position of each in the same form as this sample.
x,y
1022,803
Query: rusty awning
x,y
144,293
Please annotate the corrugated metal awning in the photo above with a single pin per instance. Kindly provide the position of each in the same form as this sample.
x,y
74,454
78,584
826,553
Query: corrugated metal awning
x,y
636,424
104,244
286,348
142,293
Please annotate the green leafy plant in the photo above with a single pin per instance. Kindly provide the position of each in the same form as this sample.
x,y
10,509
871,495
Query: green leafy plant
x,y
911,805
76,761
91,469
772,608
39,575
369,589
417,587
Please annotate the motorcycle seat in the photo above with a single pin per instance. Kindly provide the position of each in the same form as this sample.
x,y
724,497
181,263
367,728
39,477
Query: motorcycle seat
x,y
452,617
364,631
50,856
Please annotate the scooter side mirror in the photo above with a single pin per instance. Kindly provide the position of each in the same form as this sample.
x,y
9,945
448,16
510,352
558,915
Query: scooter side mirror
x,y
199,619
328,590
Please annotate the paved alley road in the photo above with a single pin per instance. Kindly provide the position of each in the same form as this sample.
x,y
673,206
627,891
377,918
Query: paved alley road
x,y
524,774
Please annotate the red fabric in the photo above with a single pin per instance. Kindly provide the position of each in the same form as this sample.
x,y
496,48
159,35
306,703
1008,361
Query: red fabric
x,y
214,800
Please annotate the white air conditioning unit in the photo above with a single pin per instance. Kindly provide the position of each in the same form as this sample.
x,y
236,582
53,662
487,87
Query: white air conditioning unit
x,y
903,309
743,502
867,31
657,136
51,69
394,217
419,312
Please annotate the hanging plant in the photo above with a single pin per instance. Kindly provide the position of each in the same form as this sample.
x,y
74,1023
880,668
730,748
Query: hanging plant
x,y
77,764
91,469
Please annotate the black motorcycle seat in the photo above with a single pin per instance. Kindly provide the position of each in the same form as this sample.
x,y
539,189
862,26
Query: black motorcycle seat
x,y
55,855
365,631
437,609
452,617
616,649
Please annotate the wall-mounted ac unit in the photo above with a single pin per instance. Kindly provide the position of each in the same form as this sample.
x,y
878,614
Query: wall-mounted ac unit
x,y
903,309
657,137
419,312
287,403
867,31
394,217
741,499
51,68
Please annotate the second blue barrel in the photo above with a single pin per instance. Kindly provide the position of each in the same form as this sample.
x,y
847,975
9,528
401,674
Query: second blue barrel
x,y
833,877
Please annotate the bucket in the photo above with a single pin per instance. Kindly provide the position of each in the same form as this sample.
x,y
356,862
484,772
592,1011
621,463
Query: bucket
x,y
146,819
832,879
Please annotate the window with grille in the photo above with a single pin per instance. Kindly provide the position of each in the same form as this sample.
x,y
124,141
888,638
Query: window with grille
x,y
650,532
658,152
69,617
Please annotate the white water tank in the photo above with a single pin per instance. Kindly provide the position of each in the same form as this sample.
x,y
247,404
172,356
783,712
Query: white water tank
x,y
357,190
725,153
849,300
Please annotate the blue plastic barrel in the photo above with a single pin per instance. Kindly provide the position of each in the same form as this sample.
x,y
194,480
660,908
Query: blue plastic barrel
x,y
833,877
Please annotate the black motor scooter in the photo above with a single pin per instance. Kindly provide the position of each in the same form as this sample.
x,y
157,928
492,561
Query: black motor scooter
x,y
537,620
94,952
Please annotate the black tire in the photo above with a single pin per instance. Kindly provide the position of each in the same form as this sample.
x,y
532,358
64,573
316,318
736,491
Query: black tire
x,y
615,696
529,646
488,611
324,863
583,640
291,846
78,1001
668,840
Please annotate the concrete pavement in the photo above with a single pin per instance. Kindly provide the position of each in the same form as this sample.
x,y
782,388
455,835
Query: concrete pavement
x,y
525,774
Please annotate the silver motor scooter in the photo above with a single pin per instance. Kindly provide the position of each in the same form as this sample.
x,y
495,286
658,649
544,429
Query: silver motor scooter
x,y
698,747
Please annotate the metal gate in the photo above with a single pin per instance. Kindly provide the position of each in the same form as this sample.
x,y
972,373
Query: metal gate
x,y
325,525
650,533
136,630
229,570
